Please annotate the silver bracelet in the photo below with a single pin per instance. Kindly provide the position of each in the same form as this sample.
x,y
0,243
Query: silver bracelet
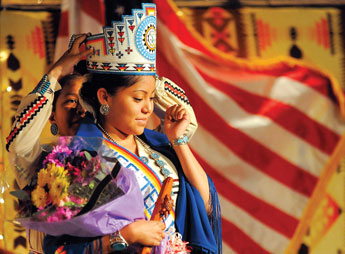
x,y
117,242
181,140
43,86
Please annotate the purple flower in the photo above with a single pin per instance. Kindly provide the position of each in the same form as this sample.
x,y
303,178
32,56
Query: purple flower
x,y
58,155
62,213
78,167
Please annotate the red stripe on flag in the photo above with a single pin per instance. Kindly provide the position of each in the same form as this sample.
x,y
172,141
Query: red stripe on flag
x,y
239,241
304,75
63,25
298,123
262,158
95,9
259,209
177,27
299,73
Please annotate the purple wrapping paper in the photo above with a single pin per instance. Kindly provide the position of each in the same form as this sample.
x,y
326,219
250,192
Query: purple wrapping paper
x,y
103,220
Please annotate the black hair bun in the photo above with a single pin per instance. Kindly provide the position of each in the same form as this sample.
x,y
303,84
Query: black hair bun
x,y
80,67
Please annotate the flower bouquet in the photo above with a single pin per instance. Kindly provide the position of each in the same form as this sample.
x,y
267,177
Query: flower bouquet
x,y
80,191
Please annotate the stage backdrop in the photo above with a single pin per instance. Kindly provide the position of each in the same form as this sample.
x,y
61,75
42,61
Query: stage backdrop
x,y
26,48
313,35
238,102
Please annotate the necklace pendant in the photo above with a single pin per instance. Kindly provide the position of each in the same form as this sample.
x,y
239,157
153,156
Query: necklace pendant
x,y
160,163
144,159
155,156
165,172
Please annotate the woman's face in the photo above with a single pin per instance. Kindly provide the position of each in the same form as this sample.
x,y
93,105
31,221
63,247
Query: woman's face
x,y
131,107
68,111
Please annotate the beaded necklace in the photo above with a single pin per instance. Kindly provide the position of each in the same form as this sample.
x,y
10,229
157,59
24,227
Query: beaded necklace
x,y
153,155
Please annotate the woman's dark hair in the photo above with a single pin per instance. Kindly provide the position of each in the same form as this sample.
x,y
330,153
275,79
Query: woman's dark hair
x,y
110,82
66,80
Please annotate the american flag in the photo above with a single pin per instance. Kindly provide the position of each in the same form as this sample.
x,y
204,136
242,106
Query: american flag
x,y
266,131
266,128
77,17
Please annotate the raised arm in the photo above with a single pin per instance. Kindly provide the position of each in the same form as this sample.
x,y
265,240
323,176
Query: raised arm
x,y
33,113
31,117
177,119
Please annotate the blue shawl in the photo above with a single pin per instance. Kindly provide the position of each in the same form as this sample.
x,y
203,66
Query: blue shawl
x,y
203,231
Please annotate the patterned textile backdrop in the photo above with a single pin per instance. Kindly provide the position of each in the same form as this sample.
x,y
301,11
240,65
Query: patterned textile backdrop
x,y
263,33
270,32
316,40
27,45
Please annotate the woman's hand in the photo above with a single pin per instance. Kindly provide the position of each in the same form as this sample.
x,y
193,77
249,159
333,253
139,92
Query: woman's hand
x,y
176,121
70,58
148,233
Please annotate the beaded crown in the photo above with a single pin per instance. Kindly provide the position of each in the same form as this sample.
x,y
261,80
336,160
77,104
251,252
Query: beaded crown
x,y
127,47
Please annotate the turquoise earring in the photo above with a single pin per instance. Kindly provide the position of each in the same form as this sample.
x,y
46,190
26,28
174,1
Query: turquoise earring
x,y
54,129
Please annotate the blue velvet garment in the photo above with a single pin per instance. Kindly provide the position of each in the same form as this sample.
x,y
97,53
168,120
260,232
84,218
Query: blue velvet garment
x,y
202,231
71,245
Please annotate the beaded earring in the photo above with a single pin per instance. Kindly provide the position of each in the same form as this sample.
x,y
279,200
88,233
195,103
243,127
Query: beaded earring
x,y
104,109
54,129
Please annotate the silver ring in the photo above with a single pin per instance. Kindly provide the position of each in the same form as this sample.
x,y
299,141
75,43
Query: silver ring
x,y
71,41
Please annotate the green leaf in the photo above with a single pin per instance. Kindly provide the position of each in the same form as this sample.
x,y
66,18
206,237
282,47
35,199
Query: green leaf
x,y
21,195
91,185
87,155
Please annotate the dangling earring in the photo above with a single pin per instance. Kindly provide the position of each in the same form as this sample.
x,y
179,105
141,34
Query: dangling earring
x,y
104,109
54,129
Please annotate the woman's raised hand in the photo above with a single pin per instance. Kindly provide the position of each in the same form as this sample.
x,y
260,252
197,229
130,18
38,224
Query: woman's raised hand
x,y
70,58
176,121
148,233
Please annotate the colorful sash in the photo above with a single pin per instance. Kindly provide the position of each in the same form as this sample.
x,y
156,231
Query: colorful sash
x,y
148,180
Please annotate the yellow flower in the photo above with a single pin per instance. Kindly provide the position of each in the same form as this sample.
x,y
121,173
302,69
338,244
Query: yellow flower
x,y
58,189
57,171
39,197
43,177
49,166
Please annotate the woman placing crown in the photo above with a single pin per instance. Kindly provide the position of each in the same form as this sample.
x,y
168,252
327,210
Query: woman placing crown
x,y
54,99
